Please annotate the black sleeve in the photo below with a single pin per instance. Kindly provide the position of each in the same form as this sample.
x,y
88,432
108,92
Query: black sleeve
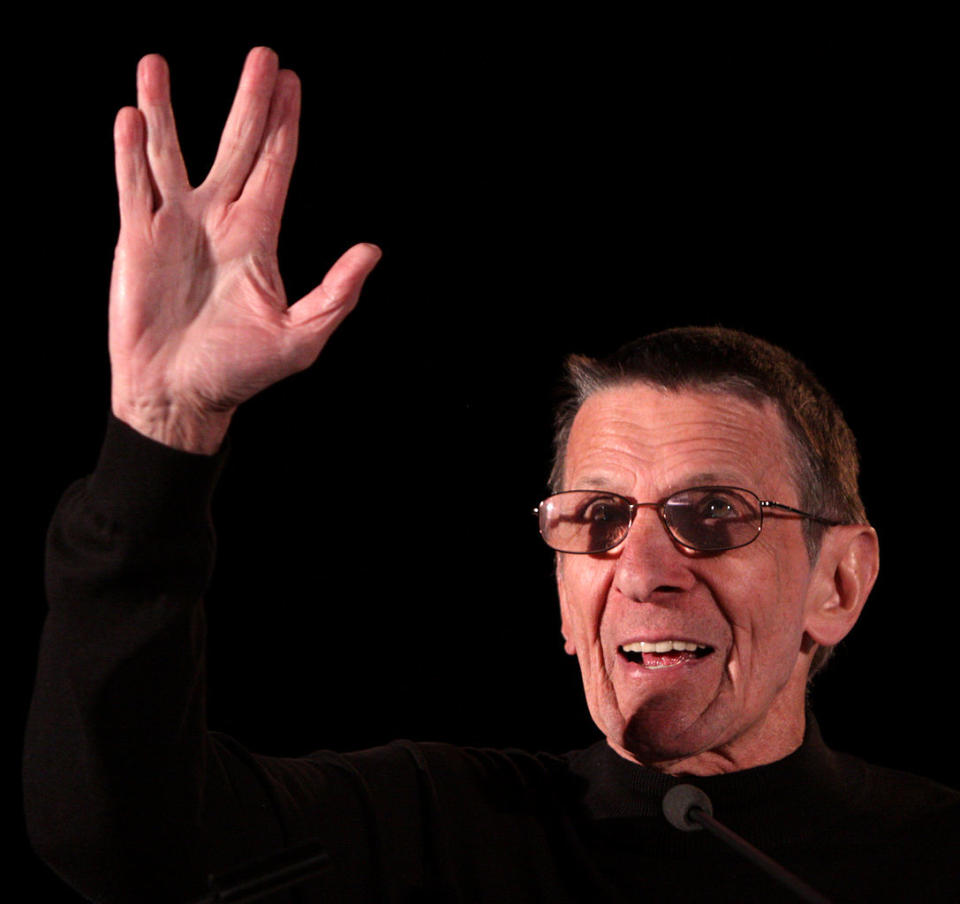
x,y
131,799
120,775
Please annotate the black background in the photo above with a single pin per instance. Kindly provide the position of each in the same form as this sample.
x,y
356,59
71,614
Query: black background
x,y
537,188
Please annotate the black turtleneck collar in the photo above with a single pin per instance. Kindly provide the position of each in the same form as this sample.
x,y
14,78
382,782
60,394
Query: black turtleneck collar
x,y
808,783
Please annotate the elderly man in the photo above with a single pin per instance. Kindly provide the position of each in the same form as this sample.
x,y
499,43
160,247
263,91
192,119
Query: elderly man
x,y
711,550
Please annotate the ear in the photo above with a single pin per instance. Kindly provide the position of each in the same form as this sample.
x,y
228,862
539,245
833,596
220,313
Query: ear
x,y
843,577
565,627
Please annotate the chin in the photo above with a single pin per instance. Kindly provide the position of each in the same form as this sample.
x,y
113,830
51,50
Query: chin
x,y
658,744
655,735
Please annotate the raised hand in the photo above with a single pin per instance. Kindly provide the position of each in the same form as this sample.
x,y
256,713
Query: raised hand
x,y
199,320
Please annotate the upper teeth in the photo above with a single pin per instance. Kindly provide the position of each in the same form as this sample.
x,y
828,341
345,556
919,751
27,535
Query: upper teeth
x,y
661,646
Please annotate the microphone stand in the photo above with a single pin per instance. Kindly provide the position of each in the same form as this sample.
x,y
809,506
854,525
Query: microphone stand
x,y
267,875
688,808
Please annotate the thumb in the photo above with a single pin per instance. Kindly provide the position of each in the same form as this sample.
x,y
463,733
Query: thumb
x,y
314,317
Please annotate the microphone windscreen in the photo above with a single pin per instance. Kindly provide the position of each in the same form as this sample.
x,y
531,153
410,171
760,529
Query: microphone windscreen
x,y
677,803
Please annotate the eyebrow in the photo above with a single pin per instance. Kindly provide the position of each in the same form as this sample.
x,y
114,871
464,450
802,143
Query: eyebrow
x,y
711,478
700,479
594,483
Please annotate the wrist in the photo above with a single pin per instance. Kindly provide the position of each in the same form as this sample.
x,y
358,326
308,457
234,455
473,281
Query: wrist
x,y
176,425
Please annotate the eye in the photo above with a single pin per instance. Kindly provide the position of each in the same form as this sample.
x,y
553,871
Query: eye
x,y
712,518
603,510
717,506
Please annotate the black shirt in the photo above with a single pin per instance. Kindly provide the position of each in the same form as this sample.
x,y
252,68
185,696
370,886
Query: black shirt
x,y
130,798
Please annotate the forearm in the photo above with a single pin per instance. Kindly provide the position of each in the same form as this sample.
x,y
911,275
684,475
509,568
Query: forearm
x,y
116,742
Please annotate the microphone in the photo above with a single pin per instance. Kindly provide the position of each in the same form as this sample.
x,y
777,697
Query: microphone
x,y
688,808
678,803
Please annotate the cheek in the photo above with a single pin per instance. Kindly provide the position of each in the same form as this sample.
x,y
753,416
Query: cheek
x,y
582,587
766,617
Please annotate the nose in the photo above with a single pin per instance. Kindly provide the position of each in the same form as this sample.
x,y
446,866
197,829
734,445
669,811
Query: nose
x,y
649,560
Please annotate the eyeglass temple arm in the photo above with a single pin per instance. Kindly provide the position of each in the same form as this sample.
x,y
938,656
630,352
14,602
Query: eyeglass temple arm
x,y
765,503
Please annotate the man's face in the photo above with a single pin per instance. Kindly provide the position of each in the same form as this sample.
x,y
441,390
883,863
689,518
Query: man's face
x,y
740,702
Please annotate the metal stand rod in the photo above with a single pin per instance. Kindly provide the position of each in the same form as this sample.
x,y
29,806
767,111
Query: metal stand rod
x,y
768,865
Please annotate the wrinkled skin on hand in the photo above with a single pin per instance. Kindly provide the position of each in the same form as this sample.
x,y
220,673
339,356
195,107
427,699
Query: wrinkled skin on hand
x,y
199,320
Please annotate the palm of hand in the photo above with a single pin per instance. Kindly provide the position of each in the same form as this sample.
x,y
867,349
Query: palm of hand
x,y
207,313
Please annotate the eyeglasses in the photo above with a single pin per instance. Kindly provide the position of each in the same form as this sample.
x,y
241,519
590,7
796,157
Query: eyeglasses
x,y
706,519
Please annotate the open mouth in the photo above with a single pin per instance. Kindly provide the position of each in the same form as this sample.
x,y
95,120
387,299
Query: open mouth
x,y
663,654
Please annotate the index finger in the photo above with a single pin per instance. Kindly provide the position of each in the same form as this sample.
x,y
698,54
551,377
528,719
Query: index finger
x,y
267,184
